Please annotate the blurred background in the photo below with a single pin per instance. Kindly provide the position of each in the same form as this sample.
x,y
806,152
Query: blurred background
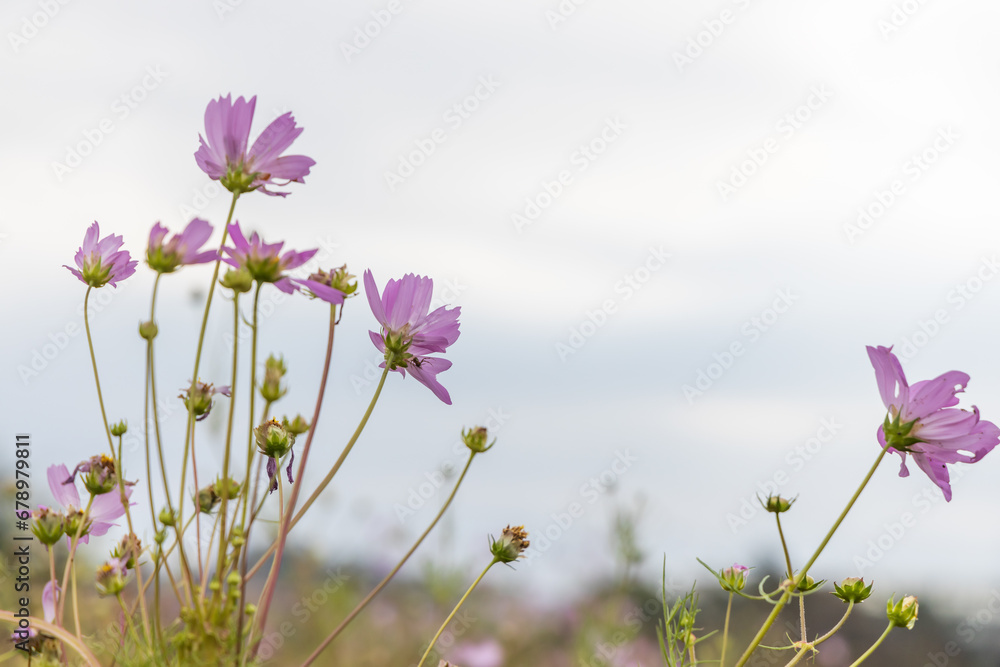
x,y
672,229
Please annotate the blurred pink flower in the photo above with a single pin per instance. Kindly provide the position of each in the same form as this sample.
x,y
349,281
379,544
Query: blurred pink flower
x,y
104,510
485,653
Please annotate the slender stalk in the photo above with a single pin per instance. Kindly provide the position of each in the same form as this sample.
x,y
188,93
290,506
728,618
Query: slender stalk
x,y
807,646
783,600
128,622
120,481
59,633
97,379
223,537
725,631
286,513
455,611
382,584
69,560
866,654
329,476
791,574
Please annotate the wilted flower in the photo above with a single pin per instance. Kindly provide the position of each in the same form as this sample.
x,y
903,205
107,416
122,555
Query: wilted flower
x,y
103,511
903,614
127,550
99,474
512,542
100,262
330,286
922,422
207,499
264,261
111,577
274,440
410,332
198,398
223,153
274,371
181,249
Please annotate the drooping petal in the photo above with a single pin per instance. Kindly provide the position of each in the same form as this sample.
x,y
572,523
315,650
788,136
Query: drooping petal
x,y
889,375
928,396
936,470
66,494
425,372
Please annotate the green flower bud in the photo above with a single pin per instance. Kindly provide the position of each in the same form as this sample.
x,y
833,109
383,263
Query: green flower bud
x,y
47,526
734,578
207,499
297,426
167,518
226,487
120,428
512,542
148,329
238,280
160,536
852,589
274,371
251,609
74,519
777,504
902,614
475,439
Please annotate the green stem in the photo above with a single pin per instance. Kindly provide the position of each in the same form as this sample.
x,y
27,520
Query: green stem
x,y
874,646
725,631
361,605
801,576
69,562
455,611
807,646
791,574
329,476
223,535
93,361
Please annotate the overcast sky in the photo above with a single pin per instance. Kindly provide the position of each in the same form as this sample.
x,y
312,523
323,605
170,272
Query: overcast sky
x,y
672,229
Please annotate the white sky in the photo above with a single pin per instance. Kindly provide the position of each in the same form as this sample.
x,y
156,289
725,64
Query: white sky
x,y
911,109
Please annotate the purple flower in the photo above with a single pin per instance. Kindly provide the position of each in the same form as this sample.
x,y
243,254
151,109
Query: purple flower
x,y
263,260
181,249
224,156
923,423
100,262
409,332
103,511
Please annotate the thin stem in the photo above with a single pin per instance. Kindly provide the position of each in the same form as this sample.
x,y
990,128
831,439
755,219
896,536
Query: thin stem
x,y
93,361
223,536
286,513
132,538
455,611
69,560
329,476
128,621
725,631
375,591
791,573
807,646
802,575
874,646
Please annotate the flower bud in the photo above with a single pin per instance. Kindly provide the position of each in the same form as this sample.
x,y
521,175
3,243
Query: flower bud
x,y
160,536
167,518
251,609
852,589
47,526
297,426
475,439
270,387
238,280
207,499
273,439
120,428
148,329
74,519
127,550
512,542
902,614
734,578
199,398
777,504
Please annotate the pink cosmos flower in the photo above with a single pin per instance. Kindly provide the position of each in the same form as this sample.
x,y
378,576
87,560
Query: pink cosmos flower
x,y
100,262
181,249
922,422
264,261
410,332
225,158
485,653
103,511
